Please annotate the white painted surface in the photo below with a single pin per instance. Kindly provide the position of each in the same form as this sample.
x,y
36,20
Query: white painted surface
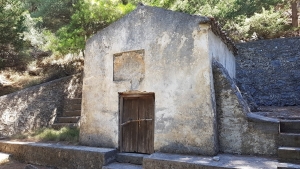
x,y
177,70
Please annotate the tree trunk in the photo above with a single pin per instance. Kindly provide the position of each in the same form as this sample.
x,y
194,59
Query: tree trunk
x,y
294,14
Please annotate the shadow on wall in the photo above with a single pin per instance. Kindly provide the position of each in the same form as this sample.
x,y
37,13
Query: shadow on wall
x,y
37,106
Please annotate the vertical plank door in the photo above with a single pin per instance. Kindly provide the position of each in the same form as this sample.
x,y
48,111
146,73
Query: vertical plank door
x,y
146,126
130,130
137,123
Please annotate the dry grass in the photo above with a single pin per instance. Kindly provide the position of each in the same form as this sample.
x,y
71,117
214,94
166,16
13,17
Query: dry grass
x,y
37,72
65,134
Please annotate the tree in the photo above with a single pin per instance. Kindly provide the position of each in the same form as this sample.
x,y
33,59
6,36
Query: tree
x,y
294,6
89,17
11,27
55,13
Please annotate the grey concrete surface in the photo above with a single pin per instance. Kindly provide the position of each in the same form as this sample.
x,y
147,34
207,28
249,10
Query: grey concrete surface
x,y
60,156
122,166
171,161
133,158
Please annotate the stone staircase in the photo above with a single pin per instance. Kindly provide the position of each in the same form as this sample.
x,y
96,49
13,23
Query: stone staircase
x,y
128,161
289,144
71,114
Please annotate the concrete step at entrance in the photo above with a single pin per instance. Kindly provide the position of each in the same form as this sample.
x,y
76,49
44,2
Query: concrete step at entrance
x,y
122,166
289,139
73,119
290,126
58,126
72,113
289,154
133,158
4,158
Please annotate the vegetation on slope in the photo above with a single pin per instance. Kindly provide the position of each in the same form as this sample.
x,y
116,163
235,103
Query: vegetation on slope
x,y
37,34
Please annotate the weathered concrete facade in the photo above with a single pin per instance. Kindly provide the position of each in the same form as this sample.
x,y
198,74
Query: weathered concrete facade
x,y
165,52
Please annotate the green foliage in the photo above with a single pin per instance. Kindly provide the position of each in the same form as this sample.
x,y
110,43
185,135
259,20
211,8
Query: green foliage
x,y
55,13
240,18
64,26
89,17
267,24
11,27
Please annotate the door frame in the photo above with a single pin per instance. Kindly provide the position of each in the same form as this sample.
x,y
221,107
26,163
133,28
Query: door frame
x,y
134,94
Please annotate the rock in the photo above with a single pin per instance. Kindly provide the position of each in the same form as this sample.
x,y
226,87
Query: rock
x,y
29,166
216,158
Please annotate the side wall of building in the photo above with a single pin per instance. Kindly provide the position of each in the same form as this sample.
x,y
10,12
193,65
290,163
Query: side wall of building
x,y
37,106
236,133
220,52
268,70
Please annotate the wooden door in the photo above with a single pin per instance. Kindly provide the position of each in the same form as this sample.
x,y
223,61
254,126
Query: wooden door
x,y
137,123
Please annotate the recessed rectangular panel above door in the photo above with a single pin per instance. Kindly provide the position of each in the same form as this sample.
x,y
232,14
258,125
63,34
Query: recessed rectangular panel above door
x,y
137,122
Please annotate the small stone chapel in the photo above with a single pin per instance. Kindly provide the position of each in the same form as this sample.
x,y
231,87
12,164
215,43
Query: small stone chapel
x,y
148,84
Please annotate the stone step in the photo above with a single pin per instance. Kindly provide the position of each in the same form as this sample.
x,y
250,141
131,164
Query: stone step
x,y
289,139
58,126
59,155
70,107
289,154
122,166
72,113
73,119
73,101
133,158
290,126
287,166
4,158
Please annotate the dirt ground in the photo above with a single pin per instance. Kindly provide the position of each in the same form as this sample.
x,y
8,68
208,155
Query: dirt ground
x,y
18,165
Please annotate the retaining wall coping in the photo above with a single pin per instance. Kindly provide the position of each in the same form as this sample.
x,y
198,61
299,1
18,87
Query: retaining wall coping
x,y
259,118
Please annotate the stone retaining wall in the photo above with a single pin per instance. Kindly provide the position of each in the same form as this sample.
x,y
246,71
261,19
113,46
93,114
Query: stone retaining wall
x,y
37,106
237,134
268,70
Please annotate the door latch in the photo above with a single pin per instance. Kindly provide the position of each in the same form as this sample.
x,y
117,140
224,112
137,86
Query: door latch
x,y
129,121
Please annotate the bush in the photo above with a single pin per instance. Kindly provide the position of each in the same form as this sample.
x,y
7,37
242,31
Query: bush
x,y
265,25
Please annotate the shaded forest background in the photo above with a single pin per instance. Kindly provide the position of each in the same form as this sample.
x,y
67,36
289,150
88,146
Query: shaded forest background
x,y
41,40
